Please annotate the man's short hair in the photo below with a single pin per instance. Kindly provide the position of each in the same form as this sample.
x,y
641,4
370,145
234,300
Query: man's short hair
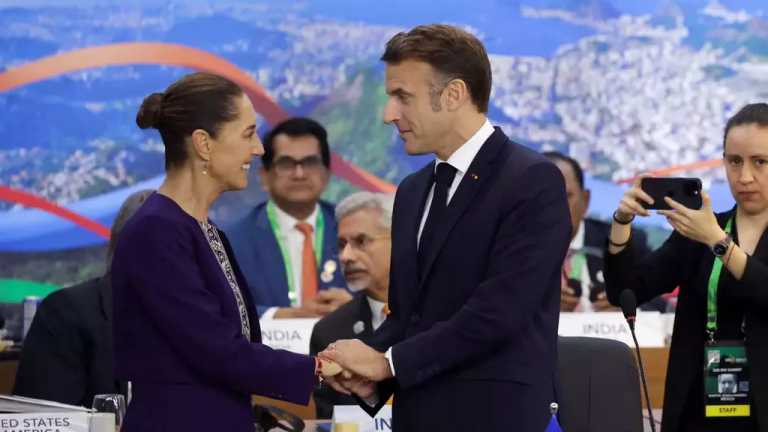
x,y
296,127
556,156
367,201
127,209
451,51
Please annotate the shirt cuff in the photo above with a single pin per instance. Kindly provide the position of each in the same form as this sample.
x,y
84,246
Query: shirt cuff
x,y
388,355
269,314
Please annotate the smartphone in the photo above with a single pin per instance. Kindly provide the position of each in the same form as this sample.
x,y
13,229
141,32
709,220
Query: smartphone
x,y
686,191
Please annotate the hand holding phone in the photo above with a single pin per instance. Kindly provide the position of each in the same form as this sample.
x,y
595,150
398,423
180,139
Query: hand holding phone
x,y
686,191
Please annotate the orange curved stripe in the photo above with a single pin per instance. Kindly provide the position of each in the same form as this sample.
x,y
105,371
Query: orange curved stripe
x,y
29,200
666,171
176,55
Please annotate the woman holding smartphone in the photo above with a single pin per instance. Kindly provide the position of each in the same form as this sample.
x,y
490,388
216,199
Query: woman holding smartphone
x,y
720,263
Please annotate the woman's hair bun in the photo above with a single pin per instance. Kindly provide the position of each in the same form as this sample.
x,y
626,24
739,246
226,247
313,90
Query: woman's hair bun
x,y
150,111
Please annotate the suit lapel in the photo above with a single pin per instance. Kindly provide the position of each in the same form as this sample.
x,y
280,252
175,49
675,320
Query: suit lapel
x,y
476,176
410,209
268,252
364,312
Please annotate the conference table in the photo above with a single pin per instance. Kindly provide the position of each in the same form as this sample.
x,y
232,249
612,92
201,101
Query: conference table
x,y
9,361
655,360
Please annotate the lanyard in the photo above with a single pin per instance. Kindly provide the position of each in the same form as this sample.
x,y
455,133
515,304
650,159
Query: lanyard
x,y
714,280
577,265
319,232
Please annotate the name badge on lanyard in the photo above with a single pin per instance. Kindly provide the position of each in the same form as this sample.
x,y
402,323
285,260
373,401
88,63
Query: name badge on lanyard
x,y
726,369
726,380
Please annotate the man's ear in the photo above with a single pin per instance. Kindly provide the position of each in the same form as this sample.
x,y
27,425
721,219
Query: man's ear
x,y
456,94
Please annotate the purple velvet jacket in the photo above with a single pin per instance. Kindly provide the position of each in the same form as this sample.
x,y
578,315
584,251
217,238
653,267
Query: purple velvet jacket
x,y
177,331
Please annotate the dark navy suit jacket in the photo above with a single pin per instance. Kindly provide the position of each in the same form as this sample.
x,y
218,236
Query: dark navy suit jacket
x,y
177,331
474,333
259,256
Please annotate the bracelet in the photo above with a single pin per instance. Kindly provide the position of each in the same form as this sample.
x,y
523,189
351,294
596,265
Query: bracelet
x,y
614,244
621,222
730,251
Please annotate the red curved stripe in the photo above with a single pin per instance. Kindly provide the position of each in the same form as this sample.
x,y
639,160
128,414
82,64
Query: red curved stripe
x,y
176,55
29,200
673,169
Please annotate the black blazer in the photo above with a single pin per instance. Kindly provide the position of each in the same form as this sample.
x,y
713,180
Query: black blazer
x,y
686,263
340,324
67,354
474,332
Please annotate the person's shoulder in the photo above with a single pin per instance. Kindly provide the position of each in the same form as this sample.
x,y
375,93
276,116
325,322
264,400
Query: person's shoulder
x,y
345,314
247,221
72,301
596,225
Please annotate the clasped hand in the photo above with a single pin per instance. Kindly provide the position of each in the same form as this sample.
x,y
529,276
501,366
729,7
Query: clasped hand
x,y
362,367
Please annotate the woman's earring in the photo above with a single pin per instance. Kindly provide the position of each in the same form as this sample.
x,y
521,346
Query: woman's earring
x,y
205,168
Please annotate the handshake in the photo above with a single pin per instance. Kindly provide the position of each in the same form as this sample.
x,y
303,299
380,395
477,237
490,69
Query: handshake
x,y
352,367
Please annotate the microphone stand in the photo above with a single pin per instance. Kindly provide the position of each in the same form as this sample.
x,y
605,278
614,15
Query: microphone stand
x,y
631,323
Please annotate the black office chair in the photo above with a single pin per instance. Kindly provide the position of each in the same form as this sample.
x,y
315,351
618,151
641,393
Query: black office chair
x,y
599,386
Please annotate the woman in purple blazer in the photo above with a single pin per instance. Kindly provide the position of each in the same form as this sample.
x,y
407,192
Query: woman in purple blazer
x,y
186,331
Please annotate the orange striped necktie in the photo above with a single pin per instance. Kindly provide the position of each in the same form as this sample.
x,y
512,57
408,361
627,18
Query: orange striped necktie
x,y
308,264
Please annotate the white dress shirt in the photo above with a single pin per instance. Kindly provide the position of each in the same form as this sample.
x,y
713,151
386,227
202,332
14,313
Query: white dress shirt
x,y
577,244
461,159
377,312
293,240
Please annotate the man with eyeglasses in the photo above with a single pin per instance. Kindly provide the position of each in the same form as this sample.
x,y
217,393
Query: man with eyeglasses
x,y
365,221
286,246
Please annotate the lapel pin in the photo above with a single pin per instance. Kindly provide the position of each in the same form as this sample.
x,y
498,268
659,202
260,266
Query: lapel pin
x,y
358,327
474,177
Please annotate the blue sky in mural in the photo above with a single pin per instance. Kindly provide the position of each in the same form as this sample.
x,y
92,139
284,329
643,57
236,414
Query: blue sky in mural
x,y
623,86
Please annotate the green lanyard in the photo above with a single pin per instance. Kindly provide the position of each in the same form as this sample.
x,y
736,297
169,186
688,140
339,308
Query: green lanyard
x,y
577,265
319,231
714,280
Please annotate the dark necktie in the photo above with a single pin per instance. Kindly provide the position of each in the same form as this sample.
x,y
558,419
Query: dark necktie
x,y
443,179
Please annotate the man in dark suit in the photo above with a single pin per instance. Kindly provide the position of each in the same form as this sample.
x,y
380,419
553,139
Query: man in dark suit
x,y
583,282
286,246
67,355
365,222
478,240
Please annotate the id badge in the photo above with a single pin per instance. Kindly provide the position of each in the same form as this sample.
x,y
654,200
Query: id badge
x,y
726,380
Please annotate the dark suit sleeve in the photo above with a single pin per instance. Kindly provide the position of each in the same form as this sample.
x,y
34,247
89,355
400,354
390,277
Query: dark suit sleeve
x,y
168,282
657,273
53,360
526,257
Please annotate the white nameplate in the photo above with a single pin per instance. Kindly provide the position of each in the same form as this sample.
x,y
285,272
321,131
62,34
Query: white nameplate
x,y
651,328
288,334
344,415
45,422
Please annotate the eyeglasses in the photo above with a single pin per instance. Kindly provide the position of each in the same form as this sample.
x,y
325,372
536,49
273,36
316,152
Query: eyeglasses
x,y
287,165
359,242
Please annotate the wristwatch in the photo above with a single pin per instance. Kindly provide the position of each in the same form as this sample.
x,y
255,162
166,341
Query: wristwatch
x,y
721,247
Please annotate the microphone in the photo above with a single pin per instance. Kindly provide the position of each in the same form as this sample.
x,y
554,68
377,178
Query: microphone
x,y
628,303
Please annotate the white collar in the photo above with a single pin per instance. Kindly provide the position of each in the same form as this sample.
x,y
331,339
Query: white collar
x,y
578,240
462,158
375,305
288,222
